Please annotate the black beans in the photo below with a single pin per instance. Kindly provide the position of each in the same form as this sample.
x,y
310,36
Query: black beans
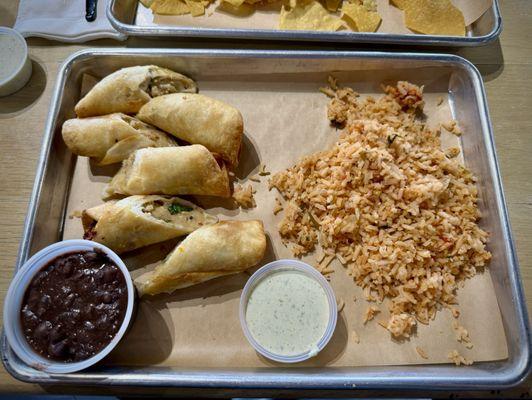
x,y
91,256
66,268
57,334
74,306
109,275
42,332
59,349
107,298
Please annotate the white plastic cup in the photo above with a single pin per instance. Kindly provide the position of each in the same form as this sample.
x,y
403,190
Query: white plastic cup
x,y
15,295
20,75
288,265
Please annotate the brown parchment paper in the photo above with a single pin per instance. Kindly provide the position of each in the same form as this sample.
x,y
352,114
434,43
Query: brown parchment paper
x,y
285,118
267,17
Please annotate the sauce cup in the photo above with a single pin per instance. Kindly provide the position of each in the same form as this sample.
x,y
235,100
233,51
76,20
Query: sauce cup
x,y
309,272
15,296
20,72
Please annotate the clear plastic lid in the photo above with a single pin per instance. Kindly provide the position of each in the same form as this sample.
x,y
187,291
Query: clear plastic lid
x,y
276,267
15,295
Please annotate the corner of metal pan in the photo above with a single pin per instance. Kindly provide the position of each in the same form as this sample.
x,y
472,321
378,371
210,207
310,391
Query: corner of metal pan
x,y
76,56
474,72
12,366
497,29
523,365
118,25
484,39
518,370
6,361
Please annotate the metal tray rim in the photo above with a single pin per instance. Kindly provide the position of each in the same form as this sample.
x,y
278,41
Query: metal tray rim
x,y
271,34
509,376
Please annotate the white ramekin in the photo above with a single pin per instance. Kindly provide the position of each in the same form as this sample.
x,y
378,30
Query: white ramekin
x,y
288,265
15,295
21,75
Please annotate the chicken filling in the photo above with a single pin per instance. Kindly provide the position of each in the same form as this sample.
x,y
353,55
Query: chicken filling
x,y
170,211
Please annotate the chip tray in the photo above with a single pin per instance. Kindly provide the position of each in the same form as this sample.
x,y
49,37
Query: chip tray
x,y
125,15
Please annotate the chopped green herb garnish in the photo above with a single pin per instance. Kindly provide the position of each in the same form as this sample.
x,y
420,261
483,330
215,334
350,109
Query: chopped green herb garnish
x,y
176,208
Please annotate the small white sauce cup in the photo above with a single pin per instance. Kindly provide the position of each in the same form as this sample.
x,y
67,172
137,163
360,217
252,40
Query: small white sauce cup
x,y
22,72
15,296
288,265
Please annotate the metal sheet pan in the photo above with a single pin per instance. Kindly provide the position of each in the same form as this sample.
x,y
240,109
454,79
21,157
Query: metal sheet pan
x,y
46,214
122,15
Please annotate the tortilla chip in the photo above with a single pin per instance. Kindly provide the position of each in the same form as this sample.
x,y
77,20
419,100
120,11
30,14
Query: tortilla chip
x,y
146,3
170,7
332,5
245,10
196,7
400,4
434,17
308,15
234,3
370,5
359,18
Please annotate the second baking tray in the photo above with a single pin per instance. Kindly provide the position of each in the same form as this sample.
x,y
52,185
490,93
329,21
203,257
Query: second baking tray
x,y
123,16
47,213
